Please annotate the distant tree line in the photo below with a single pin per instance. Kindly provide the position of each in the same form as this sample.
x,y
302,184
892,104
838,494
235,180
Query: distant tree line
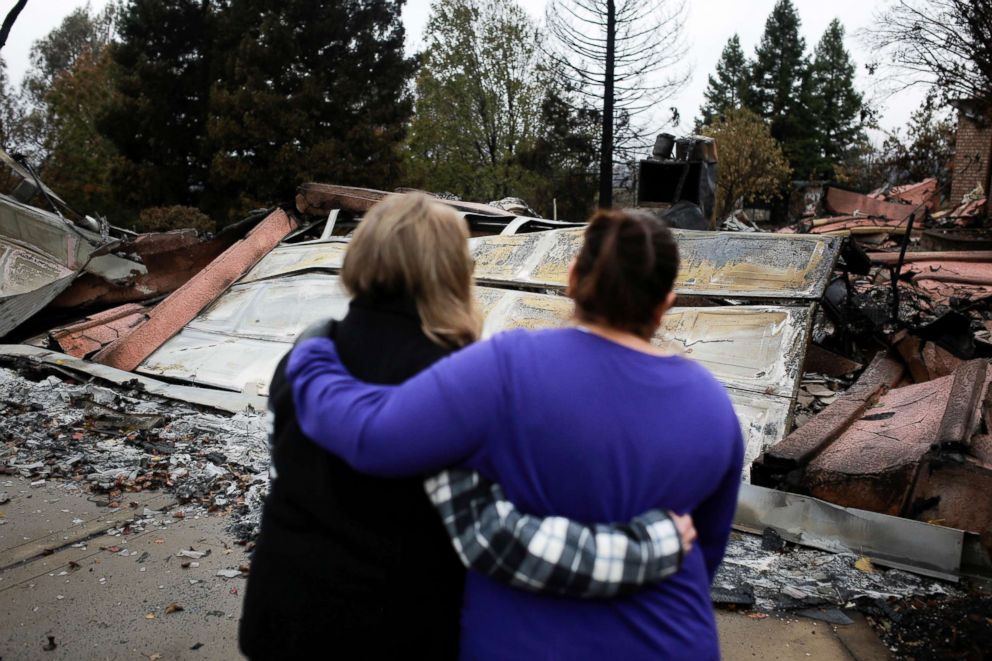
x,y
151,109
162,106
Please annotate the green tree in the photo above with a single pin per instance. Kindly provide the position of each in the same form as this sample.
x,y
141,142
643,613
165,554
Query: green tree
x,y
82,31
157,117
781,89
564,156
79,160
51,56
62,93
306,90
9,114
752,164
479,99
838,107
926,149
728,87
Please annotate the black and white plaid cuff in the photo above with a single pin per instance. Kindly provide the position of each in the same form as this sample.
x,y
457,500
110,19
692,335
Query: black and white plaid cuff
x,y
551,554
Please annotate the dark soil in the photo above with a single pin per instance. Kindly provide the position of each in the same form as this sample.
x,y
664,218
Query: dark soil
x,y
921,629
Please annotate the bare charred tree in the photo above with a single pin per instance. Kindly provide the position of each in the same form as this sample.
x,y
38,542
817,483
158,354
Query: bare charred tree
x,y
944,44
8,22
621,56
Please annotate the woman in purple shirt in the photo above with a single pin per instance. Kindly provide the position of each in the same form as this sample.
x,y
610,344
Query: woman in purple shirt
x,y
592,423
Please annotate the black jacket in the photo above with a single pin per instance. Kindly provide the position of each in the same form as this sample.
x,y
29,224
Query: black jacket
x,y
349,566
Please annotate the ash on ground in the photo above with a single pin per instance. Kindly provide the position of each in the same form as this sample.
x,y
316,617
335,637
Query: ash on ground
x,y
115,442
788,577
112,443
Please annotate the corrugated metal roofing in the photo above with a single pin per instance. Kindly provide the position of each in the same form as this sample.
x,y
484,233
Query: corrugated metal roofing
x,y
725,264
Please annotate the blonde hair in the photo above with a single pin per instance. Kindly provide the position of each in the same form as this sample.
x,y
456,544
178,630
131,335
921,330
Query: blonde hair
x,y
409,244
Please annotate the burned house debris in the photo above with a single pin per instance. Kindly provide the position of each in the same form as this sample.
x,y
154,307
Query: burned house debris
x,y
681,174
139,362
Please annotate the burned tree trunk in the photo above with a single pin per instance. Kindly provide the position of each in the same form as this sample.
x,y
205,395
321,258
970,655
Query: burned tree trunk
x,y
606,147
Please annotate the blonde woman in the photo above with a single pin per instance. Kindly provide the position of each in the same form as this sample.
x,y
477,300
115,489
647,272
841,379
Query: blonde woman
x,y
353,566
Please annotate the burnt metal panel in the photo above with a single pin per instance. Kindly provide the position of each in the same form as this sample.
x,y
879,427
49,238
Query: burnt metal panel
x,y
891,541
298,257
726,264
38,260
753,348
220,400
237,341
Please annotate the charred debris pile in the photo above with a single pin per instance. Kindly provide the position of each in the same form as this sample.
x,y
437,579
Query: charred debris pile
x,y
854,345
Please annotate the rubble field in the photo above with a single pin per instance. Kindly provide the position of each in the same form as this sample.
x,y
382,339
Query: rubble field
x,y
113,444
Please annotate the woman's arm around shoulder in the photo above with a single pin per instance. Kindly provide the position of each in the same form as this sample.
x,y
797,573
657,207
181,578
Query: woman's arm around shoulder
x,y
437,418
554,554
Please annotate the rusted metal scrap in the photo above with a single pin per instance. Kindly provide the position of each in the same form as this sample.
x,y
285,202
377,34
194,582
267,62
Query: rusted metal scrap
x,y
84,338
167,260
320,199
922,193
40,255
169,316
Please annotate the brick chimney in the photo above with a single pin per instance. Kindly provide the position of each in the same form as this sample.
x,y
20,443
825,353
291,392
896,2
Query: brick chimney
x,y
972,154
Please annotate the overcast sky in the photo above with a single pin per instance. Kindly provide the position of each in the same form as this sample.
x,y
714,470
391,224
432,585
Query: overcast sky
x,y
710,24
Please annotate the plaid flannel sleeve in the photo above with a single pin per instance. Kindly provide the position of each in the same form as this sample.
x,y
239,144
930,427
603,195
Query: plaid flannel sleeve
x,y
551,554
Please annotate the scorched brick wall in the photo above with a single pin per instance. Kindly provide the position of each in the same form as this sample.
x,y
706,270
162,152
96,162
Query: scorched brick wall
x,y
972,156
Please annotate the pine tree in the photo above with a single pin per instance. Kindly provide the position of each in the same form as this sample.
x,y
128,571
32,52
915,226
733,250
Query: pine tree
x,y
781,89
625,56
838,107
728,88
158,115
307,90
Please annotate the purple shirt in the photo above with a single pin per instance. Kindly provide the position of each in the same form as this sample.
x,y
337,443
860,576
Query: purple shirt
x,y
570,424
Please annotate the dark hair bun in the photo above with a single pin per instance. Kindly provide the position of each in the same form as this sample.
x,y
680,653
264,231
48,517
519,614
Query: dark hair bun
x,y
626,268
